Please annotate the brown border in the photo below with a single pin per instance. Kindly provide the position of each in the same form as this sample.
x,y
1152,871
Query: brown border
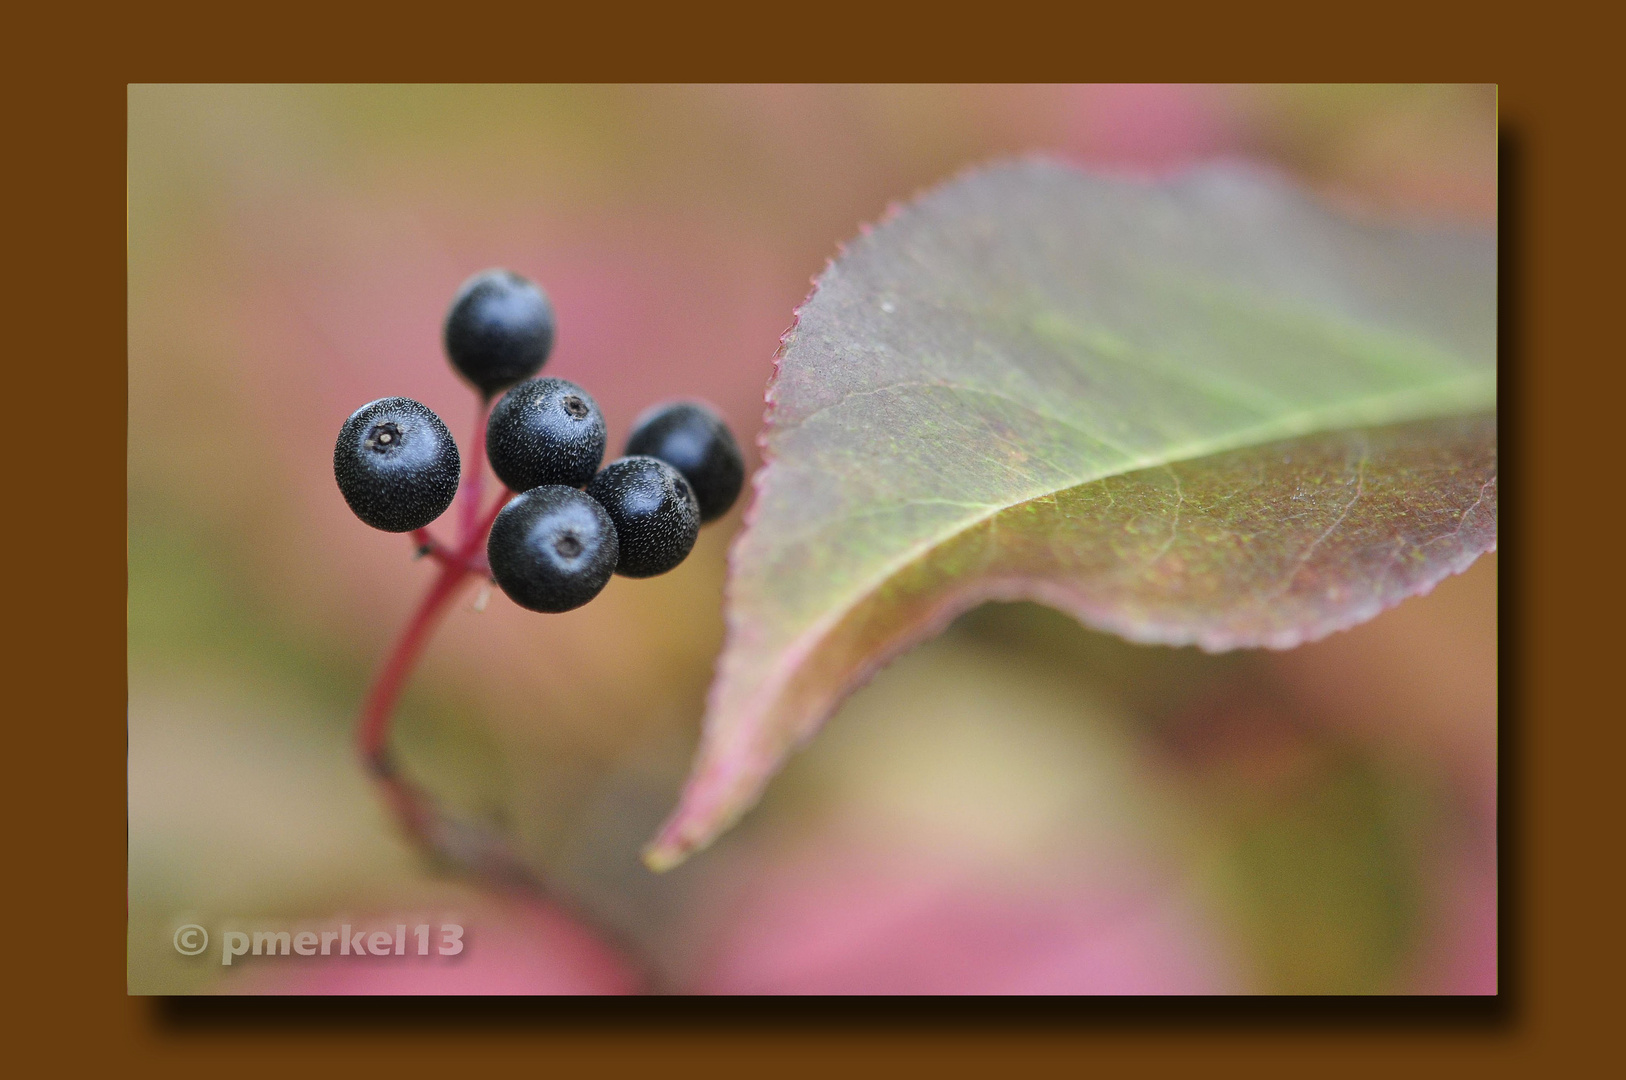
x,y
66,786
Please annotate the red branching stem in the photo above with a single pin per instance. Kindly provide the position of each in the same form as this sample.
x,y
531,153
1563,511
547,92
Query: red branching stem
x,y
413,809
372,732
475,563
373,729
480,852
427,544
482,528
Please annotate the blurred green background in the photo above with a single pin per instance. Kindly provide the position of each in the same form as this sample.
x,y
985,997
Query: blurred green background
x,y
1021,805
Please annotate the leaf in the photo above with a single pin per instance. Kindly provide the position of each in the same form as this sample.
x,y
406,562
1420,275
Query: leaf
x,y
1209,412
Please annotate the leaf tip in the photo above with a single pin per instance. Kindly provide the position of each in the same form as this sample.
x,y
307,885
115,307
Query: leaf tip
x,y
684,833
660,858
722,786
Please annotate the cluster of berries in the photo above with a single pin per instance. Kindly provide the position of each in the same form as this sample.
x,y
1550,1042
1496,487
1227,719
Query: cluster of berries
x,y
554,545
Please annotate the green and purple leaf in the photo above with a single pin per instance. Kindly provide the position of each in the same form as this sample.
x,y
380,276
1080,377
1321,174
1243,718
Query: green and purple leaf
x,y
1210,411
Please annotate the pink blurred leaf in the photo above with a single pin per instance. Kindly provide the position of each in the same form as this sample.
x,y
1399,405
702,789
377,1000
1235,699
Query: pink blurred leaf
x,y
845,920
1209,411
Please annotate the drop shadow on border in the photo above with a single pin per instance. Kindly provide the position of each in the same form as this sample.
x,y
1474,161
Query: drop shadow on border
x,y
181,1016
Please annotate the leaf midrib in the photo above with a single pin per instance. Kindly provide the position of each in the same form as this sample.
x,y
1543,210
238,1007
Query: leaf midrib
x,y
1470,393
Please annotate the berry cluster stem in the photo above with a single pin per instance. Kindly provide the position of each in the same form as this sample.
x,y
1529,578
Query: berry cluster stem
x,y
414,810
373,731
456,566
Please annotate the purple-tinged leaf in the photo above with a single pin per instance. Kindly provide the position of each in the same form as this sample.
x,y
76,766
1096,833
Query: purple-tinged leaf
x,y
1206,412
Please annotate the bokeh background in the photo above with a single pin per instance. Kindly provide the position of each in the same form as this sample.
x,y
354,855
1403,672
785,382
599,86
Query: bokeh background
x,y
1020,805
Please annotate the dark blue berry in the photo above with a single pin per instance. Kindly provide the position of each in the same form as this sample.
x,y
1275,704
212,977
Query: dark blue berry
x,y
693,439
396,464
499,330
545,431
552,549
655,513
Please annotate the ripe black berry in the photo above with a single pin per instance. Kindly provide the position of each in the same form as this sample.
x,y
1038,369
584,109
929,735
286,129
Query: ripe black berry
x,y
552,549
693,439
655,513
396,464
545,431
499,330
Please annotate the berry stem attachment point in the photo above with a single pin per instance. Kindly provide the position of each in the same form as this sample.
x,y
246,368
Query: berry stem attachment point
x,y
426,546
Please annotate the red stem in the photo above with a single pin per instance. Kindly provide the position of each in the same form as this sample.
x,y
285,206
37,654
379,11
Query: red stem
x,y
428,545
477,851
410,805
372,731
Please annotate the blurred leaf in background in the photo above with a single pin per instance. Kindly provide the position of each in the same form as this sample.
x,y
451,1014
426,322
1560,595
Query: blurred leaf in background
x,y
1145,818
